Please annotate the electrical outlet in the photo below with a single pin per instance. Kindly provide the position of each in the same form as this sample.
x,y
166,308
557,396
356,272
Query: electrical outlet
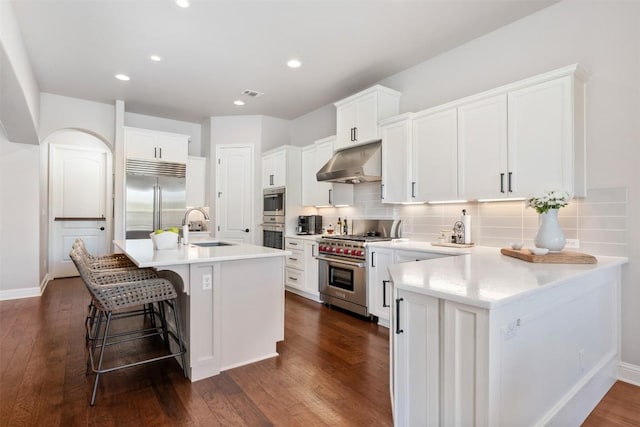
x,y
206,282
572,243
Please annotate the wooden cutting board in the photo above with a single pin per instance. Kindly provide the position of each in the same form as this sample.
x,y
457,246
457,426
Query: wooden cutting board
x,y
564,257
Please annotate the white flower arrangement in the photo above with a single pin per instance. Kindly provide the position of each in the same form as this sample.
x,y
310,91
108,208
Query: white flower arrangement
x,y
548,200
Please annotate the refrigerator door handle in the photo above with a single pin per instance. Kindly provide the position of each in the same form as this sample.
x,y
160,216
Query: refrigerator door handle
x,y
159,206
155,204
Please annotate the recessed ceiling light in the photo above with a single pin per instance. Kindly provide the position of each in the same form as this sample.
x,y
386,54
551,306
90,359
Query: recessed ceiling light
x,y
183,3
294,63
123,77
155,58
238,102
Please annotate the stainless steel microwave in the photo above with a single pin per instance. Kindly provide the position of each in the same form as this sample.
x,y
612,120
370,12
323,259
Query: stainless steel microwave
x,y
273,201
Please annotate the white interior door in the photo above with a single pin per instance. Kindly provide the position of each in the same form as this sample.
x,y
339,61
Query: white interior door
x,y
234,193
78,204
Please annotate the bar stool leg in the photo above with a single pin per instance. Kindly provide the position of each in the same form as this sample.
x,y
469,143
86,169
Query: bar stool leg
x,y
176,317
104,344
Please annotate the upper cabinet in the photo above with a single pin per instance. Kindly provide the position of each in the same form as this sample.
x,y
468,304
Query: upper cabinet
x,y
274,168
158,146
316,193
357,117
512,141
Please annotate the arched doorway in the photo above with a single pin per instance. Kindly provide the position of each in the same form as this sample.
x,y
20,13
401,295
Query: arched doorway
x,y
79,197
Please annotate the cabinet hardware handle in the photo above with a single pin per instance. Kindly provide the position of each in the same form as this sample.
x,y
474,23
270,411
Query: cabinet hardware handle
x,y
509,182
502,183
398,330
246,230
330,198
293,278
352,133
413,190
293,259
270,179
101,228
160,152
373,255
355,134
384,293
313,250
155,152
293,244
382,191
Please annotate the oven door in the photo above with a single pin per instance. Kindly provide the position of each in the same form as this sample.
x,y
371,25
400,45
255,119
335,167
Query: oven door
x,y
273,236
343,279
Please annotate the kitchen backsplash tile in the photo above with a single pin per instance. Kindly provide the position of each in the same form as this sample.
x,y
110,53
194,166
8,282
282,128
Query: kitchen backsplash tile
x,y
599,220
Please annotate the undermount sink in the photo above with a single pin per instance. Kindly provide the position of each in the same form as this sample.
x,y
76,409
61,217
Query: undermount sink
x,y
210,244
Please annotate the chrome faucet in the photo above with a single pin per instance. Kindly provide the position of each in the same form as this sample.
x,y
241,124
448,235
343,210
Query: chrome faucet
x,y
186,214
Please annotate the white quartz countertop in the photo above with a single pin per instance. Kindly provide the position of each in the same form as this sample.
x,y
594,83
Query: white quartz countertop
x,y
408,245
310,237
142,253
485,278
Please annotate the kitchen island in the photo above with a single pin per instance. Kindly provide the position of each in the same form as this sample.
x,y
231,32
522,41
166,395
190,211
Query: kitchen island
x,y
487,340
231,299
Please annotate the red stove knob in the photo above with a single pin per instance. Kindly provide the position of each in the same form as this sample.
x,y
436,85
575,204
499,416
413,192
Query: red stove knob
x,y
339,250
347,251
358,253
332,249
322,248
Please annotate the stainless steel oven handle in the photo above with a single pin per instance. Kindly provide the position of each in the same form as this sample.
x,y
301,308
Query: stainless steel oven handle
x,y
342,262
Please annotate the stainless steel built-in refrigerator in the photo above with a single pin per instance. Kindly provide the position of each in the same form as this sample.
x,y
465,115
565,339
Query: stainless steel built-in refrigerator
x,y
155,197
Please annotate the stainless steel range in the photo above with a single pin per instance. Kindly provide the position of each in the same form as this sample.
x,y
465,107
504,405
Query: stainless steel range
x,y
342,266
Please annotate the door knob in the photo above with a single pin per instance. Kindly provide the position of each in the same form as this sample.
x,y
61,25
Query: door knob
x,y
246,230
101,228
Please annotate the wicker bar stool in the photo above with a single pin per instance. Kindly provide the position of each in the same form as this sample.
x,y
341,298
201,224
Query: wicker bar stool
x,y
110,298
116,266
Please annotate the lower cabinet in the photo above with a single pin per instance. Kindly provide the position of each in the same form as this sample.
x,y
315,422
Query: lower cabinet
x,y
378,280
302,268
440,360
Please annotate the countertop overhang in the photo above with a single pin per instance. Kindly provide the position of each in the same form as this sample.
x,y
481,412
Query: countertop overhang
x,y
483,277
141,252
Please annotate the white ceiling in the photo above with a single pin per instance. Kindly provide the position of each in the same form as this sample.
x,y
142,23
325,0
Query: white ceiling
x,y
215,49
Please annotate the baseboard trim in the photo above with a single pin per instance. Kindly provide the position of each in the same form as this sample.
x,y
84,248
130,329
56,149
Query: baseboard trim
x,y
629,373
45,281
9,294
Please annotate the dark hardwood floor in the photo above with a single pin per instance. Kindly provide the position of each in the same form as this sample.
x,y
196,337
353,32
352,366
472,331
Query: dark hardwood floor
x,y
332,370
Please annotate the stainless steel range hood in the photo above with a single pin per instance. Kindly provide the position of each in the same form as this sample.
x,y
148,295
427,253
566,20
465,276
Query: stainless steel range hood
x,y
353,165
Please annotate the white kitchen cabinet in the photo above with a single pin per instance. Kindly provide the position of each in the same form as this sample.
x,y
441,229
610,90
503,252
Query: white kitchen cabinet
x,y
396,134
274,168
415,348
302,268
378,287
525,138
195,181
357,116
435,156
322,194
153,145
482,157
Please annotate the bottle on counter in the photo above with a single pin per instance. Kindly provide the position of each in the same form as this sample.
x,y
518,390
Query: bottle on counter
x,y
345,227
339,230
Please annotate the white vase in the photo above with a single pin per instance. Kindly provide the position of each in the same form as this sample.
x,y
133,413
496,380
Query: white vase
x,y
550,235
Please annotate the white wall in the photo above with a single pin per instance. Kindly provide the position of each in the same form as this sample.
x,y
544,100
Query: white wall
x,y
313,126
19,226
62,112
194,130
605,38
275,132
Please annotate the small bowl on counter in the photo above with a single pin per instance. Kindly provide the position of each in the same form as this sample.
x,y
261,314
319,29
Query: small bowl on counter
x,y
539,251
516,246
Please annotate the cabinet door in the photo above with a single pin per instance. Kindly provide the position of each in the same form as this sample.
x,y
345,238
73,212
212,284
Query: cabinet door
x,y
465,382
268,177
280,168
172,148
141,144
366,118
416,359
412,256
541,138
396,161
482,154
435,157
311,268
345,122
309,183
195,181
379,288
324,152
